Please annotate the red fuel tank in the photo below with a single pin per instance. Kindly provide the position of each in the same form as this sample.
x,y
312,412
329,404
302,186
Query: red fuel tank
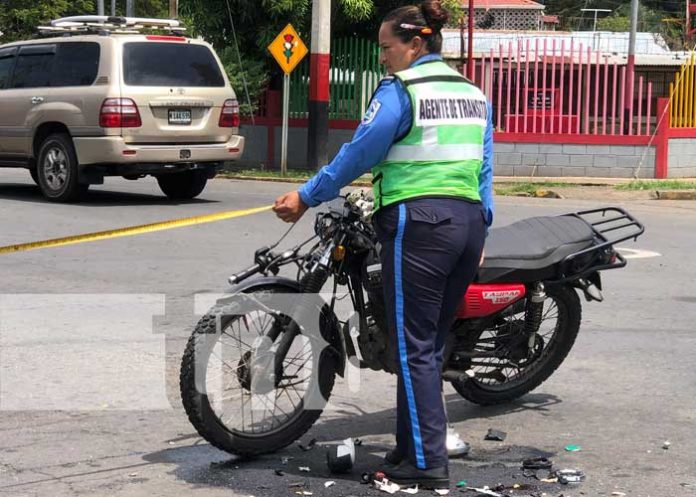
x,y
484,300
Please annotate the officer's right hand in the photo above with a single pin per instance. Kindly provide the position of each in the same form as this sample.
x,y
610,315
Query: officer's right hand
x,y
290,207
483,258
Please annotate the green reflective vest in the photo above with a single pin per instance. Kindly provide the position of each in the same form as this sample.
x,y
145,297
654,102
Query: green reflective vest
x,y
442,155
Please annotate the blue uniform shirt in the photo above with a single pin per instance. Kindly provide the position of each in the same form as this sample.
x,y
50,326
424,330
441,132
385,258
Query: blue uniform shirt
x,y
387,121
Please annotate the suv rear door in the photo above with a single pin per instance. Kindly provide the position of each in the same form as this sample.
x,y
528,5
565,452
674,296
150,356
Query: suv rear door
x,y
179,88
23,97
8,57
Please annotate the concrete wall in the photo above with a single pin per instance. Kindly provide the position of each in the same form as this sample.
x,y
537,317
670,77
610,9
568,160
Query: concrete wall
x,y
608,161
511,159
682,158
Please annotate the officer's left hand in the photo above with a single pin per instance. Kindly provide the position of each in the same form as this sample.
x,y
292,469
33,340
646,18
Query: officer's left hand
x,y
290,207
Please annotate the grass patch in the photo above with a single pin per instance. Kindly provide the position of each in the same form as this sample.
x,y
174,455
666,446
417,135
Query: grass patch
x,y
658,185
527,187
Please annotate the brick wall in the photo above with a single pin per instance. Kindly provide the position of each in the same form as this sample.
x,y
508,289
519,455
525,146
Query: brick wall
x,y
609,161
682,157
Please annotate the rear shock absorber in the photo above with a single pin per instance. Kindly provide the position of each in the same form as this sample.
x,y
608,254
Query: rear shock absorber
x,y
533,312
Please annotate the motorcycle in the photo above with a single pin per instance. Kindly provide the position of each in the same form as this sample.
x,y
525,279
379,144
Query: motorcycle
x,y
257,362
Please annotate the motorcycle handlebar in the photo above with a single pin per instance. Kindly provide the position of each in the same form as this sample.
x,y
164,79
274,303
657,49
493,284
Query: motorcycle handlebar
x,y
247,273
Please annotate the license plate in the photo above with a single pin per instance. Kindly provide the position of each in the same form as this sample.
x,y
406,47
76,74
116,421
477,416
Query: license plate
x,y
179,117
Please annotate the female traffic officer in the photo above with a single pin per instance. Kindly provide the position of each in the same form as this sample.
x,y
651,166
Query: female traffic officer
x,y
428,139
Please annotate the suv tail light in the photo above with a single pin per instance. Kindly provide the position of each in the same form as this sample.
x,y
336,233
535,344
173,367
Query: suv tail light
x,y
119,113
229,116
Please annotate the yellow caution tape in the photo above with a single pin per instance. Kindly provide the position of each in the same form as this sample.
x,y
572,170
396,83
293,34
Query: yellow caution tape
x,y
133,230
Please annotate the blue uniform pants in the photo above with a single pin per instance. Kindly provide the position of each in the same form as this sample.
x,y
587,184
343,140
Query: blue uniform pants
x,y
431,249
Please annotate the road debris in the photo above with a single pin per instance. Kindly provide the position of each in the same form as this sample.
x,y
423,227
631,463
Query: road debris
x,y
537,463
279,472
357,442
495,435
329,484
309,446
566,476
442,491
486,491
304,469
666,445
461,483
573,448
618,494
298,484
340,459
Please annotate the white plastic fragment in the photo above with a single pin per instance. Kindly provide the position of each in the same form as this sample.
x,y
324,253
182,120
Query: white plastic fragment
x,y
410,490
304,469
442,491
387,486
329,484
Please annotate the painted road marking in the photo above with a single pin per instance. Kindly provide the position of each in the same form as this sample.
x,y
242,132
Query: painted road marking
x,y
131,231
637,254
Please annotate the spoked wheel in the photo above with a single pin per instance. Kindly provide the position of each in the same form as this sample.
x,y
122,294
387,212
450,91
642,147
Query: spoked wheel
x,y
507,364
233,393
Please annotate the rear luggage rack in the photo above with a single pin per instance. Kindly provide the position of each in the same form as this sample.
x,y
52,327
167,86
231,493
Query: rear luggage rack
x,y
604,221
110,25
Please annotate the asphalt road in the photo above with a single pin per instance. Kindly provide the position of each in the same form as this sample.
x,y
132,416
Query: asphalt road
x,y
91,337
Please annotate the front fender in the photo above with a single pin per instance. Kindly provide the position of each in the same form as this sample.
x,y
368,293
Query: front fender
x,y
330,328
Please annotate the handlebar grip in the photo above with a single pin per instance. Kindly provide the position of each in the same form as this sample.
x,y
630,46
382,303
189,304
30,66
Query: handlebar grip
x,y
247,273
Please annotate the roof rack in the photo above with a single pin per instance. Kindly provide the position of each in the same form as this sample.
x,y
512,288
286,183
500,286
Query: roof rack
x,y
110,25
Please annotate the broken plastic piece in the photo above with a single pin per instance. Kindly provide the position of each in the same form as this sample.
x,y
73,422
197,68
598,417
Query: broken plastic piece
x,y
297,484
442,491
357,442
385,485
542,474
329,484
566,476
573,448
410,490
618,494
496,435
537,463
340,459
456,447
304,469
666,444
280,472
486,491
461,483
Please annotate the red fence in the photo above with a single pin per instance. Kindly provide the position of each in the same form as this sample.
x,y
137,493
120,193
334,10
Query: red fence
x,y
546,87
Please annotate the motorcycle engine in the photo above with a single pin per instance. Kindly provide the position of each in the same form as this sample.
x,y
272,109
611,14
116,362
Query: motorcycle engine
x,y
378,348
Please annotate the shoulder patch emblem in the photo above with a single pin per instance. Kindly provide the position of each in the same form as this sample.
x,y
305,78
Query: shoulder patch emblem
x,y
372,112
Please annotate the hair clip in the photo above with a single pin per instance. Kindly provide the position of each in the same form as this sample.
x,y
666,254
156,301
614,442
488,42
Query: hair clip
x,y
423,29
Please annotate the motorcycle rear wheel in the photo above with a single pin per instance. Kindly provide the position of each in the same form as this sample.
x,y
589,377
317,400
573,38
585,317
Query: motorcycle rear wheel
x,y
207,353
562,304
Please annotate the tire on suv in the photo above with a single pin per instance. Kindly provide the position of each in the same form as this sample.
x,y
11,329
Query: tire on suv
x,y
57,169
183,186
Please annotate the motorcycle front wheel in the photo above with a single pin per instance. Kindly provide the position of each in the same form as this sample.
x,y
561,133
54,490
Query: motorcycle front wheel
x,y
228,384
516,370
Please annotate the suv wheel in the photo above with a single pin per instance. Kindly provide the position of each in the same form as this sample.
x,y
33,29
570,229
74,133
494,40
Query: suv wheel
x,y
57,169
183,186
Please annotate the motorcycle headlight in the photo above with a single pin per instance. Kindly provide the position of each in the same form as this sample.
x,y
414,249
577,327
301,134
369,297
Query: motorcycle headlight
x,y
324,226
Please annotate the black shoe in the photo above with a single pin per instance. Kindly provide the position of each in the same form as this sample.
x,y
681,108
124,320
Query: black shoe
x,y
393,457
406,474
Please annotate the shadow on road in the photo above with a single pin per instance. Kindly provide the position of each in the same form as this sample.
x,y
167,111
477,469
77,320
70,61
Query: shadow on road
x,y
94,198
490,463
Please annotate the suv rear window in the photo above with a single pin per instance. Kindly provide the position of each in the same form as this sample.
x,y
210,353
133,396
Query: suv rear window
x,y
170,64
76,64
7,60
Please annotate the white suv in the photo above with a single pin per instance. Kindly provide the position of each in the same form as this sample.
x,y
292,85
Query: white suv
x,y
105,100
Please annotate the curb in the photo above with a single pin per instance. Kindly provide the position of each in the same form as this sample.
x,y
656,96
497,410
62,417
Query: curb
x,y
675,194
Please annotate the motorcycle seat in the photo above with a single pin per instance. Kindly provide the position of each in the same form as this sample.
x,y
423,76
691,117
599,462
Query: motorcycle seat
x,y
534,244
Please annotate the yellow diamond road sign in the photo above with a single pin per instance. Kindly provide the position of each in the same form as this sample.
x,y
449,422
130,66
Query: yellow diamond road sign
x,y
288,49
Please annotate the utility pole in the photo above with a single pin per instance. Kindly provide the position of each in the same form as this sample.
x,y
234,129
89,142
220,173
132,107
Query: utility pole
x,y
631,80
113,8
100,7
470,60
319,68
173,9
130,8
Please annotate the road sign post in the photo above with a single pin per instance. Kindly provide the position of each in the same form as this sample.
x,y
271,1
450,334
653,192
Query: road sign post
x,y
288,50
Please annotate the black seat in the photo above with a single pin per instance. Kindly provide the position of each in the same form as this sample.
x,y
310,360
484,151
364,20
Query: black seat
x,y
533,246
